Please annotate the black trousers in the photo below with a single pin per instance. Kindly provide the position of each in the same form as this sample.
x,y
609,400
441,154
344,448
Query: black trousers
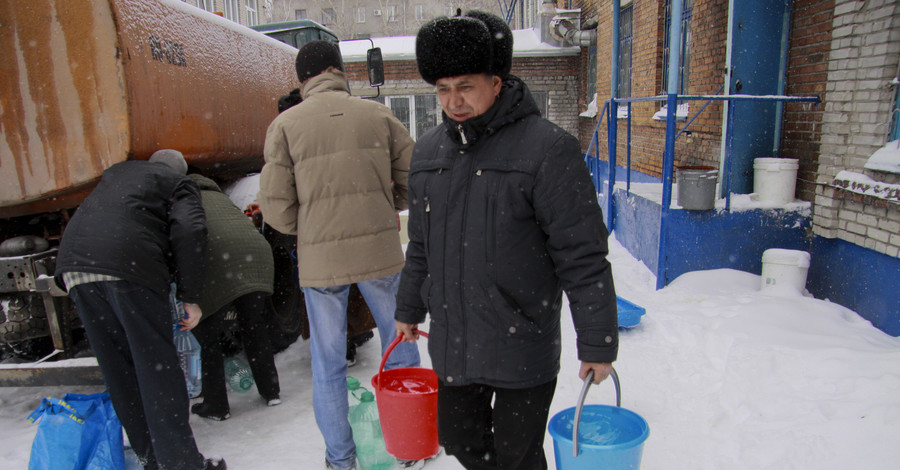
x,y
129,328
257,346
508,435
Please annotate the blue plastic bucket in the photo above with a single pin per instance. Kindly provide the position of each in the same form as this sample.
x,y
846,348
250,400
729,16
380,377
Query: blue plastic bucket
x,y
608,437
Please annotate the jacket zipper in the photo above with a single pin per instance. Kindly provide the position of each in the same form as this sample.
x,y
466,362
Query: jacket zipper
x,y
462,248
427,230
462,135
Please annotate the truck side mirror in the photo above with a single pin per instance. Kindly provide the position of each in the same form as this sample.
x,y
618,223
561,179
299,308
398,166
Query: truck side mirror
x,y
375,65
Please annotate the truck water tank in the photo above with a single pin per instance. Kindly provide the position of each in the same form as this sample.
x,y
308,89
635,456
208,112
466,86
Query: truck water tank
x,y
86,84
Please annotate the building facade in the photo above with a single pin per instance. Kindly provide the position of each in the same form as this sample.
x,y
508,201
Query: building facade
x,y
844,52
356,19
245,12
551,73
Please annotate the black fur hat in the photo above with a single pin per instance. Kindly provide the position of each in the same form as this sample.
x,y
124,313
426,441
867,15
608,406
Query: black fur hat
x,y
316,56
501,41
448,47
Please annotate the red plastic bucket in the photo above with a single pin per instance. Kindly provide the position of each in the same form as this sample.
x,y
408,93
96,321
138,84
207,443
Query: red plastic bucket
x,y
407,408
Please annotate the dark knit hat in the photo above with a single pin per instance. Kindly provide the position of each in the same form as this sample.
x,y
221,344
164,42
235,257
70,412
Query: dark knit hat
x,y
316,56
448,47
501,41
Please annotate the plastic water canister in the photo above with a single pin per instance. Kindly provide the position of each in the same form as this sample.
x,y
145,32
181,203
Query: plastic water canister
x,y
370,450
188,349
238,374
352,386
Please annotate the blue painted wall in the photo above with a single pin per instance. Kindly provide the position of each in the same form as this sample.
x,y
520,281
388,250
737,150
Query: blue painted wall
x,y
858,278
706,239
718,239
636,226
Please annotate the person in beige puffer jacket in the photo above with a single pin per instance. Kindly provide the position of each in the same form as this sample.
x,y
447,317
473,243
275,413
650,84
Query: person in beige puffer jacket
x,y
335,174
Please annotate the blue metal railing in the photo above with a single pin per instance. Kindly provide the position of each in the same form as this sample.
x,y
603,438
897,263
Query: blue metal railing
x,y
507,9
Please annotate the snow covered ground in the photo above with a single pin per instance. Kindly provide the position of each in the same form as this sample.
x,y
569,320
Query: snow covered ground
x,y
727,376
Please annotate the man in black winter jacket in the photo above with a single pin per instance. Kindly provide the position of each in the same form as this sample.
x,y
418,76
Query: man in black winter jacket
x,y
503,218
141,228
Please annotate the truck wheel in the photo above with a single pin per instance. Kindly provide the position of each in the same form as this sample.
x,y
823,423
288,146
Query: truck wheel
x,y
24,329
286,317
24,325
283,327
286,312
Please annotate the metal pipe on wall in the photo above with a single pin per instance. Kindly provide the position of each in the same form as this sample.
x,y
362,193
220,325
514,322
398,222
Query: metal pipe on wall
x,y
669,153
613,123
724,152
782,70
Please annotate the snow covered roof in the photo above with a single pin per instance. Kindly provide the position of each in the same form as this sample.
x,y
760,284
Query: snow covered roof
x,y
526,43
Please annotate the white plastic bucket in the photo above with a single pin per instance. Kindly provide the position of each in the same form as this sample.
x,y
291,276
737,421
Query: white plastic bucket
x,y
784,271
775,179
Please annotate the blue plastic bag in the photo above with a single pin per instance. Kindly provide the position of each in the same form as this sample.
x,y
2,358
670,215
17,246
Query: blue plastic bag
x,y
79,432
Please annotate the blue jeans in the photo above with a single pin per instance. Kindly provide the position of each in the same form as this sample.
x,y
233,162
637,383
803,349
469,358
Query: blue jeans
x,y
327,311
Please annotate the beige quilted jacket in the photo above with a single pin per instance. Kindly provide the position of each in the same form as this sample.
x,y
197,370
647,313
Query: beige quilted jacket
x,y
335,174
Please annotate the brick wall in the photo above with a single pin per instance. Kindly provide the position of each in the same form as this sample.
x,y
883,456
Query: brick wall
x,y
863,59
807,74
700,146
558,77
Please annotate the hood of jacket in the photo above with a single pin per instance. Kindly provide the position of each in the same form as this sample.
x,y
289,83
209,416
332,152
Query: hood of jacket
x,y
204,183
514,103
329,81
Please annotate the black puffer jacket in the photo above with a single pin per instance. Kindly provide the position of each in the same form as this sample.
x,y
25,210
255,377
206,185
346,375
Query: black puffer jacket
x,y
141,222
501,221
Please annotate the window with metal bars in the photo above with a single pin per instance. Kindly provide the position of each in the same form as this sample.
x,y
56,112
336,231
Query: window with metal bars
x,y
685,47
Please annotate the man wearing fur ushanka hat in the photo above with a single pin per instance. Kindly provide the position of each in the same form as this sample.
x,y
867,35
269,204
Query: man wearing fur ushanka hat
x,y
503,218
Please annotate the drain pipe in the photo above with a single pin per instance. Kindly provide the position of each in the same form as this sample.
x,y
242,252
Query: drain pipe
x,y
563,27
612,120
547,12
782,78
669,153
570,33
725,150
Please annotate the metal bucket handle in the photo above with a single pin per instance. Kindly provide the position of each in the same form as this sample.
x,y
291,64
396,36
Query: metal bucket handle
x,y
388,352
584,389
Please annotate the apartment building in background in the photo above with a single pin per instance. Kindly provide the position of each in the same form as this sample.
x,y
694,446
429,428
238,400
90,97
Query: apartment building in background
x,y
245,12
356,19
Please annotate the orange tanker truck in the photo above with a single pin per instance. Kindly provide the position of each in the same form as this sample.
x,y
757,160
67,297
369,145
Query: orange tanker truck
x,y
85,84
